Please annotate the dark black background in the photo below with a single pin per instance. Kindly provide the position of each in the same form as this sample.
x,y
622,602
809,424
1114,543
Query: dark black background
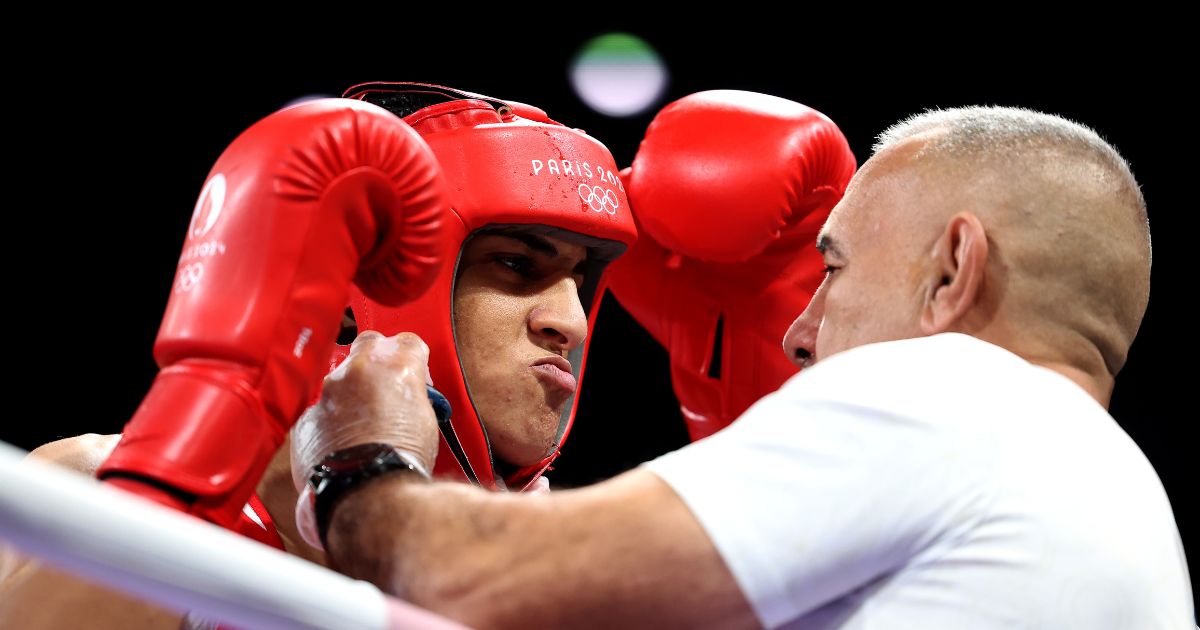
x,y
116,142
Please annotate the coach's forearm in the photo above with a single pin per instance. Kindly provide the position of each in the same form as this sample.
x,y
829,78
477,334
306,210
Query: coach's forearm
x,y
624,553
446,547
370,528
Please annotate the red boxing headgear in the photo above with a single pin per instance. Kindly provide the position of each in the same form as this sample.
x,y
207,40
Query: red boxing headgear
x,y
506,165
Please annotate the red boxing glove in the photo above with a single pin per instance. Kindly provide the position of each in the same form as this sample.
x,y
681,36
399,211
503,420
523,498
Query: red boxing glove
x,y
304,202
729,190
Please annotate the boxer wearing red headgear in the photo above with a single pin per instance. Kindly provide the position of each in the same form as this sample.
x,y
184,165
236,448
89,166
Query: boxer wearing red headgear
x,y
730,189
520,185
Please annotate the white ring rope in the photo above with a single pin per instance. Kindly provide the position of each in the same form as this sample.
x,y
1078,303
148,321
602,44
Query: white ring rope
x,y
115,539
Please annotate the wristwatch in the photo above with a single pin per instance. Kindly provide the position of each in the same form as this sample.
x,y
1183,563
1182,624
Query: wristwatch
x,y
340,472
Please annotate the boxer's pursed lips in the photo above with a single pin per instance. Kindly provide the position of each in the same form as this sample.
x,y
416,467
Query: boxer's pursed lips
x,y
556,371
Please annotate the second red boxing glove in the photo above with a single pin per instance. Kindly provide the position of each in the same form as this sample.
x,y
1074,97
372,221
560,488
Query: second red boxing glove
x,y
729,190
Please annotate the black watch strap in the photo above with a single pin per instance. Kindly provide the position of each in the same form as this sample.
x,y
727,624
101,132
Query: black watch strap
x,y
343,471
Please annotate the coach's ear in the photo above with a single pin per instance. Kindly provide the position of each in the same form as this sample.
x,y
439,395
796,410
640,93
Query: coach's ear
x,y
954,279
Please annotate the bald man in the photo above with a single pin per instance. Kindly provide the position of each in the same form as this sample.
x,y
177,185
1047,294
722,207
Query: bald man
x,y
947,461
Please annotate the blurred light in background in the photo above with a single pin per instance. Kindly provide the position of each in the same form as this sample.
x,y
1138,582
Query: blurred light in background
x,y
305,99
618,74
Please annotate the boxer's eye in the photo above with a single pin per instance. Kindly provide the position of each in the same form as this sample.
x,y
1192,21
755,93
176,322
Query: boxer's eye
x,y
534,269
579,273
520,265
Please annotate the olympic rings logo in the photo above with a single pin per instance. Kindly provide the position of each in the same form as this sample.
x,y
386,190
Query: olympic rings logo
x,y
214,191
599,198
190,276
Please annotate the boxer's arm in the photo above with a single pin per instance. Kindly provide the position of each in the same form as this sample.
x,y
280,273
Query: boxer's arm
x,y
34,596
621,554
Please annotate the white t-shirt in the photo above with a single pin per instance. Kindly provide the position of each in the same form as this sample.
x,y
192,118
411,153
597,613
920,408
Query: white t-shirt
x,y
932,483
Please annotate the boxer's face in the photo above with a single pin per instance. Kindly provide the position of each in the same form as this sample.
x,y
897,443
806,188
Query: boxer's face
x,y
516,316
870,244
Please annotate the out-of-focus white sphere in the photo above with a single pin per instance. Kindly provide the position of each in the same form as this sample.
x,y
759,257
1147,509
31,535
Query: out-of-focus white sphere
x,y
306,98
618,74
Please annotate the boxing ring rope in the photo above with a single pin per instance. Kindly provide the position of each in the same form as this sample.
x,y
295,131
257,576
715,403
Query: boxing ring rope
x,y
120,541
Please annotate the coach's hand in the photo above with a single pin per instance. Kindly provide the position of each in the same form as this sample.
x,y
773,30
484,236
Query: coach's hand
x,y
378,395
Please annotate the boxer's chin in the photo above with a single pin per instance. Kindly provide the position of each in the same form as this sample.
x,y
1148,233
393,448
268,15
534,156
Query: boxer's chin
x,y
523,439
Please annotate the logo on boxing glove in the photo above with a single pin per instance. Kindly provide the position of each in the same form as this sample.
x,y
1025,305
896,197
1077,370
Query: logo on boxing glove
x,y
189,276
205,216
